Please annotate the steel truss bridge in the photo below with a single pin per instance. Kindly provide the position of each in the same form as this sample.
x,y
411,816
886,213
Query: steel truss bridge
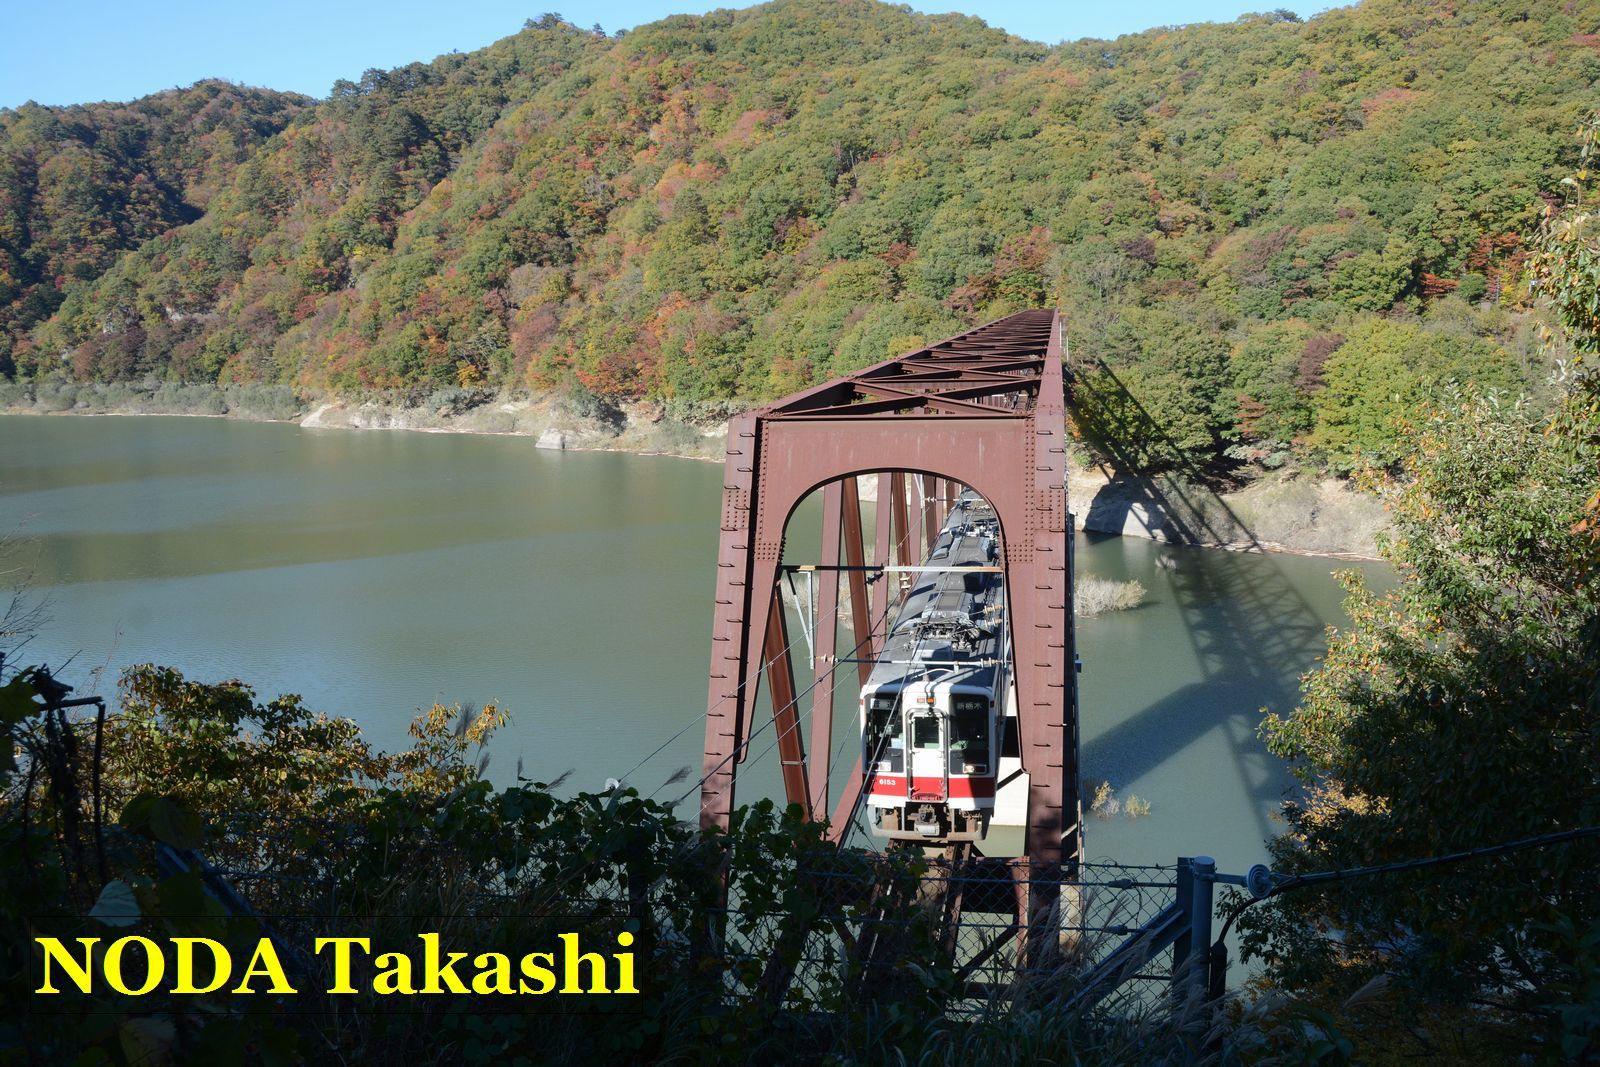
x,y
985,410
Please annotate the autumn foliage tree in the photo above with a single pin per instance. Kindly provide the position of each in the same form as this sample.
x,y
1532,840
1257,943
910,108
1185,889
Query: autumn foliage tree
x,y
710,210
1459,710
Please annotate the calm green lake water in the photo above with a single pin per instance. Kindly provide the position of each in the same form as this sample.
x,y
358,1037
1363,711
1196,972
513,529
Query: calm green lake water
x,y
376,572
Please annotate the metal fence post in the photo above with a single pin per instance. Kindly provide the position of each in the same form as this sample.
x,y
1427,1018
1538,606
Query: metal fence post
x,y
1197,980
1203,872
1191,952
1180,946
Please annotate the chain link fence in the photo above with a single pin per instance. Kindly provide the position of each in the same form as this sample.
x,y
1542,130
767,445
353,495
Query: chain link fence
x,y
869,925
811,931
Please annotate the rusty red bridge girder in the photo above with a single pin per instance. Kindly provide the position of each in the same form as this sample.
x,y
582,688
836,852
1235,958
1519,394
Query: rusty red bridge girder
x,y
984,409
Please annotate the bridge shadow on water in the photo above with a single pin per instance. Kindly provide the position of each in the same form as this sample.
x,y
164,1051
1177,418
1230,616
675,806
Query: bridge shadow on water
x,y
1247,624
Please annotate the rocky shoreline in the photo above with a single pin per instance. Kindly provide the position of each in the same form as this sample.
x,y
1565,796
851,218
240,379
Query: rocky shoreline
x,y
1298,514
1301,515
638,429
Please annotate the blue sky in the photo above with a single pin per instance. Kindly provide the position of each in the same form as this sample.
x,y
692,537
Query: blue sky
x,y
72,51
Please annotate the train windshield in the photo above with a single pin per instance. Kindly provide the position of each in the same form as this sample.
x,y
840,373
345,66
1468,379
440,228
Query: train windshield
x,y
969,728
884,741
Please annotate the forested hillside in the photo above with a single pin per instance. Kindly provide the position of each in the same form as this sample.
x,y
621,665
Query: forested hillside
x,y
81,185
1275,231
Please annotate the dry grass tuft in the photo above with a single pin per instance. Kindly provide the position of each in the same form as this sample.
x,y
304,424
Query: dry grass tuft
x,y
1096,596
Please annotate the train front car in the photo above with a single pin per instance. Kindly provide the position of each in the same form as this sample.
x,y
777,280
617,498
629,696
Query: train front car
x,y
933,709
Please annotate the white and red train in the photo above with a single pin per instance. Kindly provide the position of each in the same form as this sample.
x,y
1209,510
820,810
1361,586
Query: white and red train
x,y
933,710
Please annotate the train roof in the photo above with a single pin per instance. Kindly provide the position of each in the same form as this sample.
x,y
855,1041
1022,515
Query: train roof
x,y
951,626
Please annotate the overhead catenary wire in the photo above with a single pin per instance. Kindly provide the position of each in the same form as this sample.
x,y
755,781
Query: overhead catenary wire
x,y
745,744
867,764
868,768
754,734
699,719
774,743
838,661
702,716
851,822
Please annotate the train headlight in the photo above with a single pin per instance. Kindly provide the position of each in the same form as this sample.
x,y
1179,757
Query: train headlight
x,y
974,768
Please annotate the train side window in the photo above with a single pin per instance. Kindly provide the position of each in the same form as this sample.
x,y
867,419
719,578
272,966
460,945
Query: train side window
x,y
1008,740
883,722
884,741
